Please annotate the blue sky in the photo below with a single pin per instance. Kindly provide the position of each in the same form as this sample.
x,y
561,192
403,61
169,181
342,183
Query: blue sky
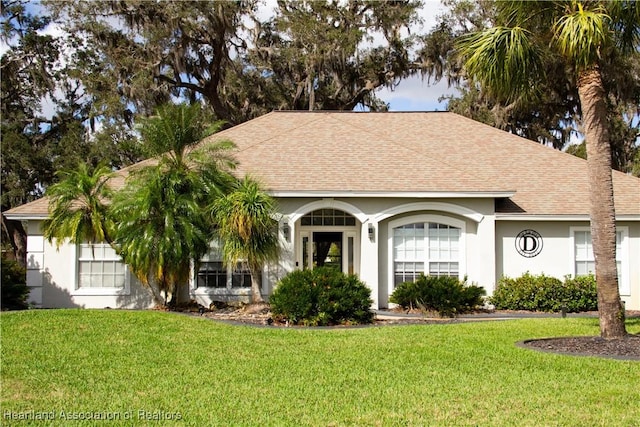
x,y
415,94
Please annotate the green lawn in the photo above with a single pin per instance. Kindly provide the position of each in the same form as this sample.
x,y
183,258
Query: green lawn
x,y
136,364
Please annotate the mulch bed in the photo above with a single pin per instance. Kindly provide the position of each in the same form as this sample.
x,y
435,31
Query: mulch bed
x,y
627,348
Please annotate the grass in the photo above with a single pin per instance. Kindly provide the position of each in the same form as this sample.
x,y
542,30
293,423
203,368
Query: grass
x,y
139,365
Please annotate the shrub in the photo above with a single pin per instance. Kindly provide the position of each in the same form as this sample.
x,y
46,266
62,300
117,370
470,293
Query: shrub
x,y
581,293
14,288
545,293
323,296
446,295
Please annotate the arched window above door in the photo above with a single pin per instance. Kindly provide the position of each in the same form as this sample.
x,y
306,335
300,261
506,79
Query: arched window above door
x,y
328,217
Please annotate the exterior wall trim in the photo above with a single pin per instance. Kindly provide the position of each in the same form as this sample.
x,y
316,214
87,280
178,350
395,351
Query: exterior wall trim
x,y
25,217
430,206
585,217
328,203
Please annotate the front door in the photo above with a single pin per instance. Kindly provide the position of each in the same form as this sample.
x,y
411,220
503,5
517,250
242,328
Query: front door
x,y
327,249
335,249
327,238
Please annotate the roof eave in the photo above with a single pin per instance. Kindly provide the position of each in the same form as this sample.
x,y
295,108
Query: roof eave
x,y
558,217
25,216
395,194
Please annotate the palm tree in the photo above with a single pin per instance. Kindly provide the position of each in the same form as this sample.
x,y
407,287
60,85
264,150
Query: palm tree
x,y
78,206
162,223
507,61
248,230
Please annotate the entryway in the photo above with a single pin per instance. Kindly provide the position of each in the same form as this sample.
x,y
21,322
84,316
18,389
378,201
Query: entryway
x,y
328,242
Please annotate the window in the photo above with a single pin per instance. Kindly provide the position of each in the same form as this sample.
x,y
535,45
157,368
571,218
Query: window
x,y
328,217
99,267
430,244
584,261
213,273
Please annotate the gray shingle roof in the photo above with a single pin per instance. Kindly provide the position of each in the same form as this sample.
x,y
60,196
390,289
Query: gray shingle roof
x,y
413,152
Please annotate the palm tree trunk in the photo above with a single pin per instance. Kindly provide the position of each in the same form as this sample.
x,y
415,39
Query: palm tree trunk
x,y
156,293
256,291
602,212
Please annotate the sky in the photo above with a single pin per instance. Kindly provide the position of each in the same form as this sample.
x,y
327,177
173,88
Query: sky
x,y
415,93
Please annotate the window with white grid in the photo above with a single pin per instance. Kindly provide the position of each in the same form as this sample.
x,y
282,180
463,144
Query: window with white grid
x,y
421,244
584,260
213,272
100,267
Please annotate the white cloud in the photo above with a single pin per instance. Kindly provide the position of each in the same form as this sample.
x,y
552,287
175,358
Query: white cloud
x,y
415,94
3,47
429,13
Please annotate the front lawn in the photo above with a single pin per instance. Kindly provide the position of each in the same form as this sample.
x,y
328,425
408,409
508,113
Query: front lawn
x,y
136,367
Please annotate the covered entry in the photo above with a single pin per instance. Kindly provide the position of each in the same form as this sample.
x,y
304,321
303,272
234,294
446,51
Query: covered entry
x,y
328,239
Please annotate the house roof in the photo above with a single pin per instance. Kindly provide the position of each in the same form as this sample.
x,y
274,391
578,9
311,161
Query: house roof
x,y
435,154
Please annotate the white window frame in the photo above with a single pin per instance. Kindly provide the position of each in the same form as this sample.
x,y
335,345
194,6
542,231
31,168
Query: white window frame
x,y
215,255
347,233
624,285
426,218
228,279
78,290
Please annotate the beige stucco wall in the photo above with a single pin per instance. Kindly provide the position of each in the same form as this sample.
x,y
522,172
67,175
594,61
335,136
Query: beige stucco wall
x,y
52,279
374,265
555,258
489,253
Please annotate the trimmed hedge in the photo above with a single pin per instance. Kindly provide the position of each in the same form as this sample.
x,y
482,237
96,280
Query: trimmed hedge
x,y
446,295
545,293
13,283
322,296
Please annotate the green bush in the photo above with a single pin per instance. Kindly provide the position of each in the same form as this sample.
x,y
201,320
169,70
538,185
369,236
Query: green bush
x,y
14,289
545,293
582,293
446,295
322,296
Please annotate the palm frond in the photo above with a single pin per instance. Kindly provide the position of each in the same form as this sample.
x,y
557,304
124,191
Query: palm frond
x,y
505,60
625,23
78,206
246,225
581,35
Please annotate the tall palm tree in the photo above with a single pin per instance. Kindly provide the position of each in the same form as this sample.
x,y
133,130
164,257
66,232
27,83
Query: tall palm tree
x,y
248,230
78,206
506,60
162,223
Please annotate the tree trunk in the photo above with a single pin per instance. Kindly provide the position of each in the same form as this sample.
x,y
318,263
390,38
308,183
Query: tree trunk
x,y
602,211
156,294
17,237
256,291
